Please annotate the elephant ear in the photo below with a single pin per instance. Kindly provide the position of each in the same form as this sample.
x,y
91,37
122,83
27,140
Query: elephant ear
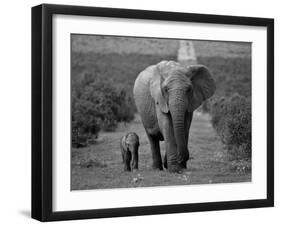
x,y
125,142
203,85
158,92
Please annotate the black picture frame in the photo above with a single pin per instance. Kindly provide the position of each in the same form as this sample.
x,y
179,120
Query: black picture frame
x,y
42,107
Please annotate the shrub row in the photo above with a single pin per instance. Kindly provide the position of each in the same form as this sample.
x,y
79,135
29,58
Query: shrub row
x,y
102,85
230,108
97,104
231,118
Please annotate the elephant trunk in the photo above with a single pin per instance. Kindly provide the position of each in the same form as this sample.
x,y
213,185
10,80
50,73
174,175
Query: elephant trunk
x,y
178,110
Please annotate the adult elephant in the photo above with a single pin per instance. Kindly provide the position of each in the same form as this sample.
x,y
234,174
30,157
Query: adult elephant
x,y
166,94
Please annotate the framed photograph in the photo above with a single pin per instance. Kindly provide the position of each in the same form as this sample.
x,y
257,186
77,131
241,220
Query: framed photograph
x,y
146,112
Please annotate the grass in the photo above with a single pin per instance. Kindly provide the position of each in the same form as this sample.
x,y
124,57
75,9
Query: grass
x,y
100,167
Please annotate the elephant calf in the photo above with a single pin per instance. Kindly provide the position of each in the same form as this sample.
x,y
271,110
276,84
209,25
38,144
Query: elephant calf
x,y
129,149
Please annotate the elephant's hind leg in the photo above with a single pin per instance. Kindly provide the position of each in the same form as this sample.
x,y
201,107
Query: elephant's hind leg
x,y
155,150
127,161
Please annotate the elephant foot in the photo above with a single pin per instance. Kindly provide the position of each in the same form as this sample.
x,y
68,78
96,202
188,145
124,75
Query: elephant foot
x,y
127,169
135,168
182,162
183,165
157,167
175,169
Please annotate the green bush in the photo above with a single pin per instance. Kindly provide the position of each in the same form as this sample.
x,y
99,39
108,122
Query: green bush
x,y
231,118
96,105
230,107
85,123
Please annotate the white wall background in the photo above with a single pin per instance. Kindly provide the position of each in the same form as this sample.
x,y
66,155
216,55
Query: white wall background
x,y
15,114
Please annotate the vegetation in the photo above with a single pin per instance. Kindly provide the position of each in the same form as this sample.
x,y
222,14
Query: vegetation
x,y
100,166
102,86
96,105
231,118
230,108
232,75
102,95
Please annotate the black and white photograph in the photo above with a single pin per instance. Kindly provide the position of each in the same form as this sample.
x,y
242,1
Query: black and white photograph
x,y
151,111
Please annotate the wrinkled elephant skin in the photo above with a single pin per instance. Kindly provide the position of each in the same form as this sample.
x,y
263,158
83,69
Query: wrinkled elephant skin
x,y
166,94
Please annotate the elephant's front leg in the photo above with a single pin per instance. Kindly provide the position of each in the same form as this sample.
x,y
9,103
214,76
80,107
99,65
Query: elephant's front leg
x,y
155,150
127,160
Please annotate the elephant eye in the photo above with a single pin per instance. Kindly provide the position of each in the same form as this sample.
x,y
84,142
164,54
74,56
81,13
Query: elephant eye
x,y
165,88
189,89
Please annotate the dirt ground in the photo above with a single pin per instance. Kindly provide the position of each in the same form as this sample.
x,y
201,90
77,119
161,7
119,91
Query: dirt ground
x,y
100,167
